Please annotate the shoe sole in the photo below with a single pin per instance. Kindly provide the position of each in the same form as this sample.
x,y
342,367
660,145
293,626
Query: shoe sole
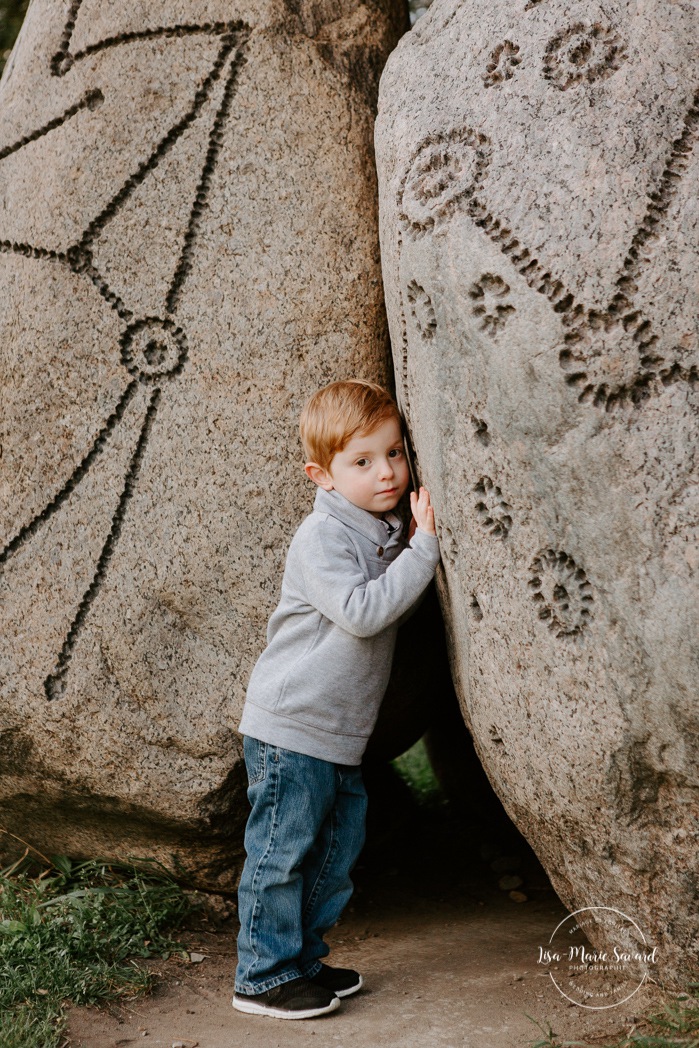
x,y
253,1008
350,990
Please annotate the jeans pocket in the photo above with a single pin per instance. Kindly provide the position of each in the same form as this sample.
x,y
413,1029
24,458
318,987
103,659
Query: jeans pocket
x,y
255,759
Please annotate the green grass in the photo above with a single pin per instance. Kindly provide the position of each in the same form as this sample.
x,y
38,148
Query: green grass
x,y
676,1026
414,767
72,933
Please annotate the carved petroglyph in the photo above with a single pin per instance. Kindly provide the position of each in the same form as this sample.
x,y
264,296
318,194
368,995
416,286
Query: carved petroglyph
x,y
480,430
606,356
422,310
582,53
561,592
402,376
489,295
502,64
80,471
495,733
447,545
54,683
611,355
64,60
90,100
152,348
587,210
492,509
445,170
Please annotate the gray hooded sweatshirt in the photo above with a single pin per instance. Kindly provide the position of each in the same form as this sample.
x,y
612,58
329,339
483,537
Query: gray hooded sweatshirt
x,y
348,584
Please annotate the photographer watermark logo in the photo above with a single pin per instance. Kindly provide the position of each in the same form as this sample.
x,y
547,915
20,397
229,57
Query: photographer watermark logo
x,y
601,976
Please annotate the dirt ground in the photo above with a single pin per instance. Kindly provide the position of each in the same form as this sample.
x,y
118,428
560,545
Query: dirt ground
x,y
448,957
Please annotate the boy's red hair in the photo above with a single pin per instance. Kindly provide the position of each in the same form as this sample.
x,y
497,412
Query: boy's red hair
x,y
335,413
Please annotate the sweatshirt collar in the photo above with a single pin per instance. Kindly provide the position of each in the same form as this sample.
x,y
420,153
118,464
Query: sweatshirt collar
x,y
336,505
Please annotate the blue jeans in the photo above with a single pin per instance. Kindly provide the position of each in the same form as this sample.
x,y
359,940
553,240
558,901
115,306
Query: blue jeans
x,y
303,836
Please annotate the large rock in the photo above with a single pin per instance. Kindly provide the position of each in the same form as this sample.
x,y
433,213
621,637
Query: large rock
x,y
188,248
537,176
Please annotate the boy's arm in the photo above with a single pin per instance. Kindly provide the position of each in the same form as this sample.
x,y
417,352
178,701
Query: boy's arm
x,y
412,609
336,586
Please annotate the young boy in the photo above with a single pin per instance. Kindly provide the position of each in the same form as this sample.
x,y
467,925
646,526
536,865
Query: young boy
x,y
314,696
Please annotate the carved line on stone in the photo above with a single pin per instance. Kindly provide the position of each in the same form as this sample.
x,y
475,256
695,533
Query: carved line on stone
x,y
422,310
660,198
644,373
214,148
165,144
80,256
595,387
562,592
63,60
403,372
151,348
66,37
78,473
447,544
54,683
81,263
647,373
476,609
11,247
90,100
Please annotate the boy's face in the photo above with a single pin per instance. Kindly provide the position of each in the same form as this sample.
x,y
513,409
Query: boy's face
x,y
371,471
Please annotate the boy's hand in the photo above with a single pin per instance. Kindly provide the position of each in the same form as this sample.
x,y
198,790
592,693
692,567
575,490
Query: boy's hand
x,y
423,514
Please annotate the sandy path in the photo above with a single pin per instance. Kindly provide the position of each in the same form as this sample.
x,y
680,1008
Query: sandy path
x,y
448,960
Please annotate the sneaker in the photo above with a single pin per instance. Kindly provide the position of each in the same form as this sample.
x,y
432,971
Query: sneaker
x,y
294,999
342,981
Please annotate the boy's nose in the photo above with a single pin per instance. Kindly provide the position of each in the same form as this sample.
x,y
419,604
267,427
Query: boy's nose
x,y
386,469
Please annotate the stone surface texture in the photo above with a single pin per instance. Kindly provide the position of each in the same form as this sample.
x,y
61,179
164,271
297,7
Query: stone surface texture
x,y
188,248
538,170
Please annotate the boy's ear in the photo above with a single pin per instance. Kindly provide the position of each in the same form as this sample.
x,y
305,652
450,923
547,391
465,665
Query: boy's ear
x,y
318,475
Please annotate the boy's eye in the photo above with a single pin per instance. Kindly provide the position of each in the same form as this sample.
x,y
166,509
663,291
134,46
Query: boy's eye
x,y
394,452
362,462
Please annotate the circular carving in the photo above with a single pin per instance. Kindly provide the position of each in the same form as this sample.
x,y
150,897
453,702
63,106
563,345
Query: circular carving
x,y
610,360
444,169
561,592
152,348
582,53
422,310
493,511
